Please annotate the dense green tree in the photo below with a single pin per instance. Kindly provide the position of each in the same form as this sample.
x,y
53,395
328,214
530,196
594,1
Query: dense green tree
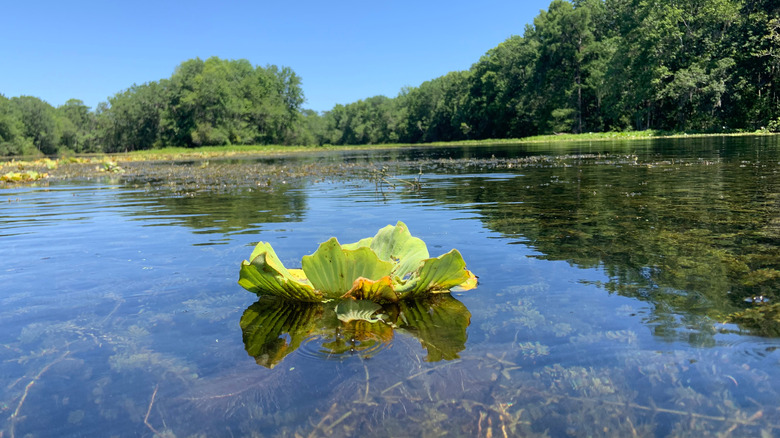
x,y
449,120
370,121
76,124
39,123
436,110
212,102
12,140
310,130
500,101
277,97
755,97
179,118
674,62
564,33
132,118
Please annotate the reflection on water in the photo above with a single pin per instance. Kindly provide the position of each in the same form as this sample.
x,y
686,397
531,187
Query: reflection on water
x,y
274,328
691,235
607,278
224,213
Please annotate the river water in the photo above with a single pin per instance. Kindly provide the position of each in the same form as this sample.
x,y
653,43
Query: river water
x,y
624,289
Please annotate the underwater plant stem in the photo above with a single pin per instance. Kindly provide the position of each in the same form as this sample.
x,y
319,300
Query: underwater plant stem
x,y
734,421
365,394
415,375
111,313
322,420
482,416
336,423
149,410
12,419
325,418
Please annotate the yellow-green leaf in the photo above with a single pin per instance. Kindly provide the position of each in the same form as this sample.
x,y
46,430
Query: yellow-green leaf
x,y
266,274
333,270
439,274
388,267
396,244
381,290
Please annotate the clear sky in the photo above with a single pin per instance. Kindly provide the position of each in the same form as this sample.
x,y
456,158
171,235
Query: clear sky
x,y
343,50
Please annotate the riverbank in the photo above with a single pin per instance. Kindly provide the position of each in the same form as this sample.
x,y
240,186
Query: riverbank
x,y
29,169
218,151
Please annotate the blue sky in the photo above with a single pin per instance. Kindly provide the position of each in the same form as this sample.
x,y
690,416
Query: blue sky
x,y
343,50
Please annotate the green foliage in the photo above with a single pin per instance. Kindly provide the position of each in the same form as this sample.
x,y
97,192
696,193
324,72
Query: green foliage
x,y
12,140
370,121
77,127
596,65
204,103
763,319
39,123
773,125
389,267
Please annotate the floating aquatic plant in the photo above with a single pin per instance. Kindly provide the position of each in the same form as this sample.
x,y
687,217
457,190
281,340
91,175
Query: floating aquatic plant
x,y
389,267
27,176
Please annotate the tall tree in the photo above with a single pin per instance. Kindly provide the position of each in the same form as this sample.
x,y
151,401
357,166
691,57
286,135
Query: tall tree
x,y
500,102
564,32
39,121
76,125
12,140
132,118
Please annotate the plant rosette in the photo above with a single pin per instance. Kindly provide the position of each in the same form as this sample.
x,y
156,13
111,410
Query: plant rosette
x,y
389,267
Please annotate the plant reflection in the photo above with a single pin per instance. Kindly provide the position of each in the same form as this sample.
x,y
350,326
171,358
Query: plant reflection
x,y
273,328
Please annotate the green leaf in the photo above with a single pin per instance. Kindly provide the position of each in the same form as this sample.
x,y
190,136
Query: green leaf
x,y
266,274
360,243
396,244
333,270
438,274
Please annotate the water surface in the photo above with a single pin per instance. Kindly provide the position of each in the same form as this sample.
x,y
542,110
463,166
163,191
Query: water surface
x,y
607,274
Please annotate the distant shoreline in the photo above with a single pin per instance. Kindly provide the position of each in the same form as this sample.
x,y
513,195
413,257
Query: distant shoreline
x,y
22,170
236,150
182,153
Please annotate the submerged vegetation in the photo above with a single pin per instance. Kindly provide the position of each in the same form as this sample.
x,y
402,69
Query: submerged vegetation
x,y
619,288
389,267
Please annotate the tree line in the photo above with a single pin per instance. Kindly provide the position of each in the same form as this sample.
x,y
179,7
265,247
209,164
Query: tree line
x,y
581,66
211,102
594,66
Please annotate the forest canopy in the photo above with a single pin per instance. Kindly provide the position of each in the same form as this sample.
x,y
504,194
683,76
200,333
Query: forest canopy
x,y
581,66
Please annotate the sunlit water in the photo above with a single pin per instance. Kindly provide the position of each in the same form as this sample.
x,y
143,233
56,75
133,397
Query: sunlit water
x,y
604,281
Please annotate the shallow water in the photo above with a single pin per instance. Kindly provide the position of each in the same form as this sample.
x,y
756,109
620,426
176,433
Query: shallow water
x,y
606,274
